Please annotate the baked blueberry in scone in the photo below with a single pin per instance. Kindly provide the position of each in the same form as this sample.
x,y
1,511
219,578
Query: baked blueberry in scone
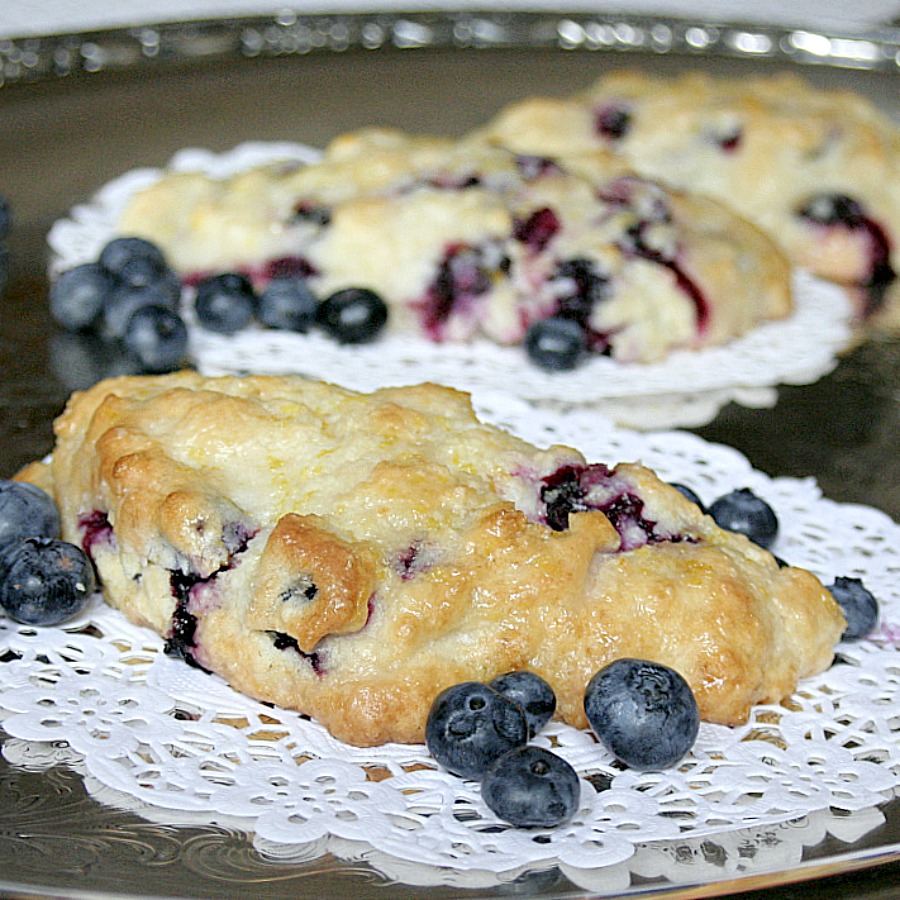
x,y
352,555
464,239
818,170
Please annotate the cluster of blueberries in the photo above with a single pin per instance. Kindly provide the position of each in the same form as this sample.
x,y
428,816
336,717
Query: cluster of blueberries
x,y
643,712
43,580
131,294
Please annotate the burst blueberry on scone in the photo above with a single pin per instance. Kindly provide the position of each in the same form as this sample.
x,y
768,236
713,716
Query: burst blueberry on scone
x,y
818,170
352,555
465,239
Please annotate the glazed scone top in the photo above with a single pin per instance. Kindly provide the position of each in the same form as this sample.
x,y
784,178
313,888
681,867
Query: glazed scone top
x,y
451,235
774,148
352,555
205,223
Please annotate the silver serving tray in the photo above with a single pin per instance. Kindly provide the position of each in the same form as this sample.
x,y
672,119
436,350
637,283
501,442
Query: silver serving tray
x,y
32,58
77,110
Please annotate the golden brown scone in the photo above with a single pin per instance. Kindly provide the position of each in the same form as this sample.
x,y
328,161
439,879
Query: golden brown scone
x,y
463,239
818,170
351,555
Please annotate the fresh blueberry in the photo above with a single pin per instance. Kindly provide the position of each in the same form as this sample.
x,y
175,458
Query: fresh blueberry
x,y
287,303
690,493
126,299
44,581
353,315
26,511
127,258
532,693
225,303
78,360
79,295
643,712
859,606
5,218
742,511
470,725
530,787
142,271
157,337
556,344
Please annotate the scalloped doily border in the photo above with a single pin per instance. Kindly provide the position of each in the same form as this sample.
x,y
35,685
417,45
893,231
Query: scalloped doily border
x,y
687,389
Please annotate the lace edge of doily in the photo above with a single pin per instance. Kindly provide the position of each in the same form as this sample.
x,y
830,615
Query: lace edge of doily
x,y
625,401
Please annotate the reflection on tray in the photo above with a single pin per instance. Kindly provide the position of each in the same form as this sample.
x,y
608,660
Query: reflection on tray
x,y
228,854
35,58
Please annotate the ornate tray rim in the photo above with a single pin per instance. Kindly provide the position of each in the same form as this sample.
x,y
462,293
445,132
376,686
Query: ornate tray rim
x,y
46,58
30,59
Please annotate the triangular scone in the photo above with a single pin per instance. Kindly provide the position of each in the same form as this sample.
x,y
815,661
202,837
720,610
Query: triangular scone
x,y
817,169
464,240
351,555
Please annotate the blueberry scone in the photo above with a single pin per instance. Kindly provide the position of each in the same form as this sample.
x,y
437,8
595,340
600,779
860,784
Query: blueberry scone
x,y
464,239
351,555
818,170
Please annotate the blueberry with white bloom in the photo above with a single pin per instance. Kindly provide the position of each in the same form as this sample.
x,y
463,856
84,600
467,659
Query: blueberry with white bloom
x,y
157,337
126,299
287,303
556,344
225,303
26,511
531,787
643,712
859,606
79,295
44,581
744,512
78,360
470,725
131,260
532,693
353,315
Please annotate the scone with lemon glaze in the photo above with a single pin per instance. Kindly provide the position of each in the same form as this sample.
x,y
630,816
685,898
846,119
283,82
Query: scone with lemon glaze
x,y
465,239
819,170
351,555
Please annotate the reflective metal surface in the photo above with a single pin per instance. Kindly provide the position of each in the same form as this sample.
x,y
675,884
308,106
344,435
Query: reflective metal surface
x,y
62,138
289,33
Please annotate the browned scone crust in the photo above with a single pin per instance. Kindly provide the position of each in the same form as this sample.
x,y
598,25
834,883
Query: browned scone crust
x,y
351,555
782,153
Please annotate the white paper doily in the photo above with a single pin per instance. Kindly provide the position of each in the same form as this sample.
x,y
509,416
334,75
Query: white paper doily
x,y
153,733
686,389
